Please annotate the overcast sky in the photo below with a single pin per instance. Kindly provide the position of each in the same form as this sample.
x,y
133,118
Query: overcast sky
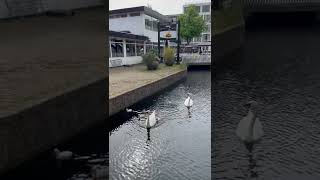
x,y
165,7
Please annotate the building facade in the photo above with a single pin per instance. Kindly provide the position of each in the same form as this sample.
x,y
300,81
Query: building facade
x,y
140,20
132,33
204,10
127,49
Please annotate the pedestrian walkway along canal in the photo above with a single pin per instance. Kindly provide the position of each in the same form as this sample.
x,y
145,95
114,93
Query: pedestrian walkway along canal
x,y
178,147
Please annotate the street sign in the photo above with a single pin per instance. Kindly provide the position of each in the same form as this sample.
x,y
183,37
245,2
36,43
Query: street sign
x,y
168,34
168,31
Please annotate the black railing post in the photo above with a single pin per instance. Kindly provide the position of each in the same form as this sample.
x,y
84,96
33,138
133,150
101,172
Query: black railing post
x,y
159,39
178,44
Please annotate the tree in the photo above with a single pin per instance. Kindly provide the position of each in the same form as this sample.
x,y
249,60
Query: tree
x,y
191,24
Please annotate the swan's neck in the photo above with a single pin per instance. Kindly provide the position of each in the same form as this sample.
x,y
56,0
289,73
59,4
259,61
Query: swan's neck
x,y
252,121
148,122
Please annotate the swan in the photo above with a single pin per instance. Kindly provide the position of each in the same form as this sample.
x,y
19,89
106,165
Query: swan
x,y
249,129
151,120
188,102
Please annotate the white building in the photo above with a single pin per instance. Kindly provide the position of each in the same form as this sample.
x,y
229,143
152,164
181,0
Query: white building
x,y
132,33
127,49
204,10
138,20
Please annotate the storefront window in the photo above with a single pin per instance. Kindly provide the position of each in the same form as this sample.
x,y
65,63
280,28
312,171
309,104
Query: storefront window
x,y
140,50
131,48
117,48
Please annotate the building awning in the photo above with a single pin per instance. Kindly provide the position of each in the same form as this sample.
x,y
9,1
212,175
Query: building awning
x,y
117,34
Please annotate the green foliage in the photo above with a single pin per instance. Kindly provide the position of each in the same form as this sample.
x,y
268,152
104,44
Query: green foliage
x,y
191,24
169,56
150,60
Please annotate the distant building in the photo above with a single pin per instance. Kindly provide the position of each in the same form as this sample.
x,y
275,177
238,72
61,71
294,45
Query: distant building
x,y
138,20
204,10
132,33
127,49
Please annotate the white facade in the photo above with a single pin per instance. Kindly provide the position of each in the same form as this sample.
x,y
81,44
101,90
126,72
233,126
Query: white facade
x,y
133,24
136,25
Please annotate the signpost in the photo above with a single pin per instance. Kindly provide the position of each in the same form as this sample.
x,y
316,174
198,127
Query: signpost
x,y
169,31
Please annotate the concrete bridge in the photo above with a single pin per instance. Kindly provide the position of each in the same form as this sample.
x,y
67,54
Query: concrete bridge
x,y
282,5
195,59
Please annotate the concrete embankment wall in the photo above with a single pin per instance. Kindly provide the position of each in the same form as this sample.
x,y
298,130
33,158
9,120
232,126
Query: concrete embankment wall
x,y
14,8
227,42
119,103
39,128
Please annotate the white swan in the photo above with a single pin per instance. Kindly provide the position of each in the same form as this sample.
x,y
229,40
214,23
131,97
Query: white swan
x,y
249,129
188,102
151,120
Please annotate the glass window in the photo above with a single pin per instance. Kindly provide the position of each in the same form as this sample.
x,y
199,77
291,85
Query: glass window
x,y
149,47
135,14
123,15
131,48
185,9
207,18
198,9
206,8
208,28
155,25
140,50
206,37
197,39
148,22
117,48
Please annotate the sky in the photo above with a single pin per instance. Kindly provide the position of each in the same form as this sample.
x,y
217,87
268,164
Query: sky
x,y
165,7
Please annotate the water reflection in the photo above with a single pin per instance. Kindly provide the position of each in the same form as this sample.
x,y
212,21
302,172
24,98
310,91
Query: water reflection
x,y
148,134
279,69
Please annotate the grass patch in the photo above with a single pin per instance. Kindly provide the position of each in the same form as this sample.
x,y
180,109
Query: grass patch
x,y
226,18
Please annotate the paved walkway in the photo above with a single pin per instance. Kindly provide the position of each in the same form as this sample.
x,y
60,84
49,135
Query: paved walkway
x,y
41,57
124,79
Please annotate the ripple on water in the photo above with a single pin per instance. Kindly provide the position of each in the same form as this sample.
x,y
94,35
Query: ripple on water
x,y
288,92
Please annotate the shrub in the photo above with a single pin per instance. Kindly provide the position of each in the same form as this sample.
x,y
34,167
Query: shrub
x,y
169,56
150,60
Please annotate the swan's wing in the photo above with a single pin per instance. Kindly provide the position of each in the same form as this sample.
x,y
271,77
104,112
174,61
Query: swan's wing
x,y
152,119
243,127
191,102
186,102
257,130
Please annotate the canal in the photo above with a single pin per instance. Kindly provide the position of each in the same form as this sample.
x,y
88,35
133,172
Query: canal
x,y
178,147
279,68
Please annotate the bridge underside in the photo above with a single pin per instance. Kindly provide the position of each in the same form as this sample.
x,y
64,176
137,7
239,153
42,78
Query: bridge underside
x,y
282,5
